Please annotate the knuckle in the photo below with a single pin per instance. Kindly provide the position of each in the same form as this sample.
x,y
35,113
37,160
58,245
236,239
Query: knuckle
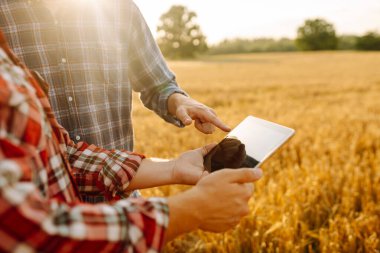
x,y
180,110
212,111
202,107
247,174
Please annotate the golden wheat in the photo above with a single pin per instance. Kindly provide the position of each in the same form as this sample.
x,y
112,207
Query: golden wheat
x,y
321,192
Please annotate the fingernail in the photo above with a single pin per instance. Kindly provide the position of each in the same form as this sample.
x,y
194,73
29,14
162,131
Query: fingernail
x,y
258,173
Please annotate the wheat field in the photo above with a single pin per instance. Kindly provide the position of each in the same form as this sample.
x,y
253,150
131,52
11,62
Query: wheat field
x,y
321,191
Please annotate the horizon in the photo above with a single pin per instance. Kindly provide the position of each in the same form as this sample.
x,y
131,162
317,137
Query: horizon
x,y
254,20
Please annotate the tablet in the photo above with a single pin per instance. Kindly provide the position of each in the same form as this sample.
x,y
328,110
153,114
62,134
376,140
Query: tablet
x,y
249,144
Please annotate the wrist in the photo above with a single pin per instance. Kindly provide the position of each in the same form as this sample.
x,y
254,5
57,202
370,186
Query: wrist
x,y
164,170
185,215
153,172
174,101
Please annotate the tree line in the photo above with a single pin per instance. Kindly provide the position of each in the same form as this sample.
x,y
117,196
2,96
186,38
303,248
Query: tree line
x,y
179,36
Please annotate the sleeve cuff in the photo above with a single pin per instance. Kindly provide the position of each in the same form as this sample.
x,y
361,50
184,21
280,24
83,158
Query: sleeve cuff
x,y
170,89
148,221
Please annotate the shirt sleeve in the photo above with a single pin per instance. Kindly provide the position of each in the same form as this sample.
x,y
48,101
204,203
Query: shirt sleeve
x,y
101,175
148,71
31,223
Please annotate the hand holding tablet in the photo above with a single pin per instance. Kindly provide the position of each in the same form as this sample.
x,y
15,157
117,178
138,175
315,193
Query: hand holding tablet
x,y
248,145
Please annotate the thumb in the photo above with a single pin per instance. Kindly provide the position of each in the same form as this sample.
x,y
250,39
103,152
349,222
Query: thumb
x,y
183,116
206,149
244,175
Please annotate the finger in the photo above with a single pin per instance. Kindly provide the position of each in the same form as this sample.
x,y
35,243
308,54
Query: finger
x,y
204,174
249,190
208,127
213,119
197,175
212,111
206,149
205,128
183,116
207,116
244,175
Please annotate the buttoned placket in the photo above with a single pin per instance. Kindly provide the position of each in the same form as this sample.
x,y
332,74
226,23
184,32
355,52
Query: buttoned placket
x,y
64,70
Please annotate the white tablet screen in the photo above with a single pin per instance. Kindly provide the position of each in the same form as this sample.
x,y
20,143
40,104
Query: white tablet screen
x,y
260,137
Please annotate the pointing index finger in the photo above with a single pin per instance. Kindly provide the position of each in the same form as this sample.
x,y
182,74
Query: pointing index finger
x,y
218,123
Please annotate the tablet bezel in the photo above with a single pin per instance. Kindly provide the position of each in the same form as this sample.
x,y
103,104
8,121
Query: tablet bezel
x,y
252,121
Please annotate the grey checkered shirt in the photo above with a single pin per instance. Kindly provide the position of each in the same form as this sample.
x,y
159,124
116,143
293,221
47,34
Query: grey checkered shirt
x,y
92,53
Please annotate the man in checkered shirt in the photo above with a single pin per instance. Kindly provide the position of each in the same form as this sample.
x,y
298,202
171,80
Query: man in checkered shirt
x,y
93,53
44,177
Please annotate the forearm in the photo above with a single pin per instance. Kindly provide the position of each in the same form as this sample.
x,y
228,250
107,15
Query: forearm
x,y
153,172
184,212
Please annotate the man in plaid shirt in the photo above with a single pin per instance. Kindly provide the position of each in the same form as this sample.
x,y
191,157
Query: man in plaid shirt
x,y
44,177
93,53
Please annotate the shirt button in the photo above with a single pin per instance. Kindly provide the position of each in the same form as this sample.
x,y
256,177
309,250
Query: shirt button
x,y
70,98
63,60
77,137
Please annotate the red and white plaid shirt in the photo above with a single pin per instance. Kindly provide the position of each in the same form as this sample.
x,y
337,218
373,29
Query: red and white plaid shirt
x,y
45,176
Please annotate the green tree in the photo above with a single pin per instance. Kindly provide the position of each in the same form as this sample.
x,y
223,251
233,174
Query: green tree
x,y
238,46
370,41
347,42
179,36
316,34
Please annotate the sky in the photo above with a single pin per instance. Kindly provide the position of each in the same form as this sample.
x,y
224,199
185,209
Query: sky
x,y
268,18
